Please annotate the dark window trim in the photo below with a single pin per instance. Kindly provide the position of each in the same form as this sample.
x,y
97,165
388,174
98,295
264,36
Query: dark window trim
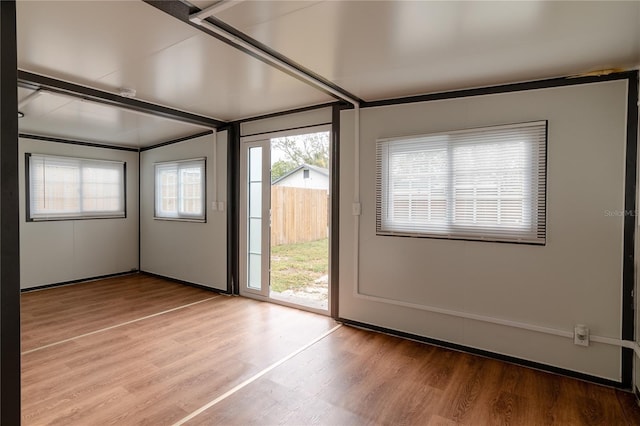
x,y
204,200
27,186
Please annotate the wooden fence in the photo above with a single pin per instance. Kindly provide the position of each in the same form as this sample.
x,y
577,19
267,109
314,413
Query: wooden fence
x,y
298,215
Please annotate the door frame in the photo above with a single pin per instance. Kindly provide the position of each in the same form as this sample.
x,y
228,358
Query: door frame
x,y
264,140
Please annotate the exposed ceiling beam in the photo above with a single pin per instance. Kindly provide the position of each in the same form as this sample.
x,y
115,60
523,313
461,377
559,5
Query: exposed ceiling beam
x,y
241,41
34,81
217,8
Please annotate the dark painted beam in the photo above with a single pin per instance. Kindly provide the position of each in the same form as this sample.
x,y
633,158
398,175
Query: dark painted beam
x,y
182,11
630,205
334,248
9,221
172,141
505,88
233,207
76,142
34,81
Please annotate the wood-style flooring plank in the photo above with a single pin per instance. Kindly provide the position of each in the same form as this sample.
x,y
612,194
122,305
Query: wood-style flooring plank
x,y
159,370
368,378
56,314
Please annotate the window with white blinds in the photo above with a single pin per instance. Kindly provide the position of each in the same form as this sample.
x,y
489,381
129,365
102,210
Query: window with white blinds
x,y
479,184
180,190
74,188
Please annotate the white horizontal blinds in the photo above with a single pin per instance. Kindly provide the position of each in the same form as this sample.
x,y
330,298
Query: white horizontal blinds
x,y
486,183
192,189
66,188
102,187
180,189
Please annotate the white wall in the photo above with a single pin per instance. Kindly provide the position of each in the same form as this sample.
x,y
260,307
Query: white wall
x,y
189,251
575,278
58,251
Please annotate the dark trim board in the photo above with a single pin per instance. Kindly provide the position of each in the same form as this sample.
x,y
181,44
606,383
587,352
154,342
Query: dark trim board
x,y
334,249
505,88
628,264
76,142
35,81
118,274
78,281
233,209
288,112
10,401
139,211
182,139
187,283
286,130
483,353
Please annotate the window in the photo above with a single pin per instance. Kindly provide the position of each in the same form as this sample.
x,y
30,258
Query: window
x,y
74,188
180,190
479,184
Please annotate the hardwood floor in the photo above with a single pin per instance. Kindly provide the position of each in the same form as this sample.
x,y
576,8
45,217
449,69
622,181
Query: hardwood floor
x,y
53,315
161,369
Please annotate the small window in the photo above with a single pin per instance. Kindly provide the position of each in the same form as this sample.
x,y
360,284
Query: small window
x,y
479,184
180,190
74,188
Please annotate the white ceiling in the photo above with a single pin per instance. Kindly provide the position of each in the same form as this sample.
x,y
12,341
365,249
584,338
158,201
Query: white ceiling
x,y
373,49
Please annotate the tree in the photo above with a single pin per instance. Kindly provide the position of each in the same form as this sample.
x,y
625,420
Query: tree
x,y
281,168
311,149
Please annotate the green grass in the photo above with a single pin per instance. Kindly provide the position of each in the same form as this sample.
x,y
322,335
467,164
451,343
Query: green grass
x,y
295,266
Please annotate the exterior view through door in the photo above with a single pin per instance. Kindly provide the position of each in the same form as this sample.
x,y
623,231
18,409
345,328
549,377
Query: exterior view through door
x,y
284,233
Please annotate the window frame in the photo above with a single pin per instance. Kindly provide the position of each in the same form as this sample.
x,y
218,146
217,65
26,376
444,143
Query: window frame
x,y
63,217
180,217
453,231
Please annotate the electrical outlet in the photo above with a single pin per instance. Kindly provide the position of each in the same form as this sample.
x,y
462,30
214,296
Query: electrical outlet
x,y
221,206
214,206
581,335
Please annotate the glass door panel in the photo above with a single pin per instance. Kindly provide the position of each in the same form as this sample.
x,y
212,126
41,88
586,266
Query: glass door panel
x,y
254,211
254,201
